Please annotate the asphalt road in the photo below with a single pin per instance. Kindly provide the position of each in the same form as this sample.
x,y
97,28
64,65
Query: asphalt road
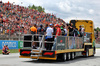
x,y
14,60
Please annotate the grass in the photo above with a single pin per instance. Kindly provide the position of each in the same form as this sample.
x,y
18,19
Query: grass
x,y
11,51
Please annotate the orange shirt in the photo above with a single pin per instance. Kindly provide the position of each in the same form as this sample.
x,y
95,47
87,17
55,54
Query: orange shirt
x,y
34,29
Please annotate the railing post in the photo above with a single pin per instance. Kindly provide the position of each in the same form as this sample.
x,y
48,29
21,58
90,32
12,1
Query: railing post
x,y
43,39
56,42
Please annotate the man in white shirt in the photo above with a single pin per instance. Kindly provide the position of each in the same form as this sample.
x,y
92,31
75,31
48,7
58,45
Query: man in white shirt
x,y
49,33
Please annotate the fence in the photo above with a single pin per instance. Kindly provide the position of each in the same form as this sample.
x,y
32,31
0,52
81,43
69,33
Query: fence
x,y
6,37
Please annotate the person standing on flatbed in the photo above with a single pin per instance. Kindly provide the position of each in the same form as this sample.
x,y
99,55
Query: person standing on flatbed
x,y
49,34
33,30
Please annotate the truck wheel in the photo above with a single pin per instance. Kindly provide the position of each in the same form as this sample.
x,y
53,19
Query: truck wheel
x,y
93,52
68,56
58,57
87,52
64,57
72,55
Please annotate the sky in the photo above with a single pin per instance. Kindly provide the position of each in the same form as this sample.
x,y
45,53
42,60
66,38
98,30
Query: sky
x,y
67,9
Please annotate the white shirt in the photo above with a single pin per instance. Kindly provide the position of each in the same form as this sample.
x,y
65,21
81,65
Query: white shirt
x,y
49,32
65,31
82,30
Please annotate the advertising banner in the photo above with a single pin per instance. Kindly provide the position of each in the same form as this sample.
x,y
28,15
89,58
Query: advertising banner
x,y
60,43
11,44
20,44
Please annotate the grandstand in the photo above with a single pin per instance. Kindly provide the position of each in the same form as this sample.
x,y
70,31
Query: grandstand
x,y
15,19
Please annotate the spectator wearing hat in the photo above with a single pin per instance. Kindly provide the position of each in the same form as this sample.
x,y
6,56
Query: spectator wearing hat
x,y
58,33
49,31
49,34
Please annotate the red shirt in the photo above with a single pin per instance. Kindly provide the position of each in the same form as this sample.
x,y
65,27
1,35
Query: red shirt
x,y
58,32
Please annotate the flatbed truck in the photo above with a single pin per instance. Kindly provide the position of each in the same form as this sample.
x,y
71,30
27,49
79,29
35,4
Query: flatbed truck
x,y
67,47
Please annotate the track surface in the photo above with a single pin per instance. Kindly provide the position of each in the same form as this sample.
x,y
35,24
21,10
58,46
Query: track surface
x,y
14,60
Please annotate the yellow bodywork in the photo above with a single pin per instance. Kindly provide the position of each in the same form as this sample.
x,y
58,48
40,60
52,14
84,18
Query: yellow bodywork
x,y
69,50
24,56
90,52
87,43
57,52
41,57
88,25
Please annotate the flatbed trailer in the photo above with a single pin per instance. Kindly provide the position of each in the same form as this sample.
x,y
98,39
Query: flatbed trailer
x,y
67,47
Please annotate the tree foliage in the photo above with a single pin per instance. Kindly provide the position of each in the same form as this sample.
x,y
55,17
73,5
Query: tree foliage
x,y
97,29
39,8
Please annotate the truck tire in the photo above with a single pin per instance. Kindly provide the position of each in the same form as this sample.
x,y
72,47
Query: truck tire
x,y
93,52
64,57
72,56
68,56
58,57
87,53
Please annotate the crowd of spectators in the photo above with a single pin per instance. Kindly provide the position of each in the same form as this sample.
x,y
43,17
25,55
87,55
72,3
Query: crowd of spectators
x,y
15,19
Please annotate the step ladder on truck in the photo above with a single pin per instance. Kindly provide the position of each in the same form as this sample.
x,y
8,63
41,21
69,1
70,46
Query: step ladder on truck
x,y
66,48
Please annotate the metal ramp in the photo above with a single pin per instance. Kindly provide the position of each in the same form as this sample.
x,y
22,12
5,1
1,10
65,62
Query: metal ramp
x,y
37,52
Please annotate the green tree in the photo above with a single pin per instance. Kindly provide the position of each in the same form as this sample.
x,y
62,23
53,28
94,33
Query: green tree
x,y
39,8
32,7
29,6
98,28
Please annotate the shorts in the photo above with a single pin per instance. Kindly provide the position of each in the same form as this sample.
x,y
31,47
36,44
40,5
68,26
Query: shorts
x,y
5,51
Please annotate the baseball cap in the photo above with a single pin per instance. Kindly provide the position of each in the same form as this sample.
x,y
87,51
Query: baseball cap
x,y
51,24
57,25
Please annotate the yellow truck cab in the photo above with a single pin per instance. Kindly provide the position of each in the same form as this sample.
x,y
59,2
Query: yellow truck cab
x,y
67,47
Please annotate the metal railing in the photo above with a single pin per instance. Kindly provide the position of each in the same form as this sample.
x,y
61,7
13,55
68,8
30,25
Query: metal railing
x,y
62,42
74,42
